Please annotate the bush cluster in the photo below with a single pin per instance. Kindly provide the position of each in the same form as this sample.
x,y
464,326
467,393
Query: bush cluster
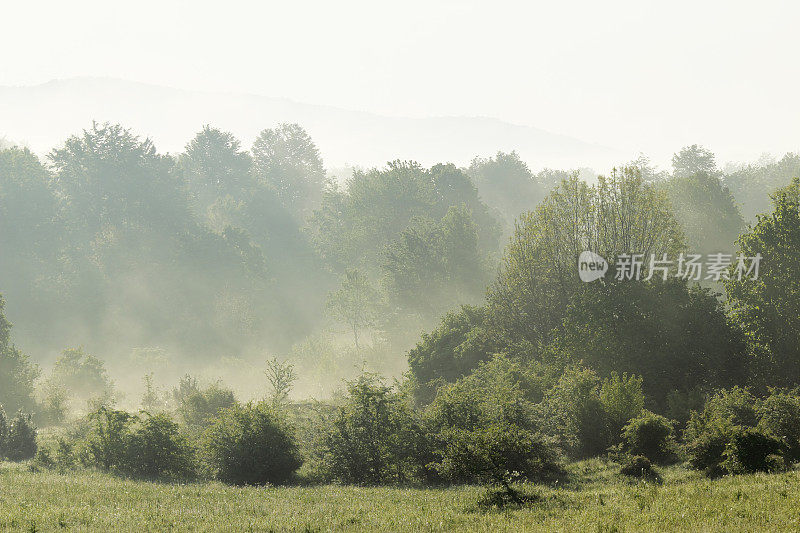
x,y
738,433
17,437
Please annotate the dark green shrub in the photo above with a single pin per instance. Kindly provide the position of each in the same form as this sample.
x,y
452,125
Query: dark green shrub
x,y
486,430
780,417
155,449
638,466
374,437
573,413
498,454
21,440
622,400
737,405
705,448
106,442
651,436
252,445
751,451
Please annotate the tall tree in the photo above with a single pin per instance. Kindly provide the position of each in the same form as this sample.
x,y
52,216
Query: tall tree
x,y
693,159
506,184
538,276
287,159
768,308
215,167
706,211
355,303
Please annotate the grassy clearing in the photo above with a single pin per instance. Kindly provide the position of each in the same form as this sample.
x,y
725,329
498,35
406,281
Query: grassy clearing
x,y
597,500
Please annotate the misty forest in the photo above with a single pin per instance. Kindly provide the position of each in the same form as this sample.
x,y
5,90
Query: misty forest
x,y
239,321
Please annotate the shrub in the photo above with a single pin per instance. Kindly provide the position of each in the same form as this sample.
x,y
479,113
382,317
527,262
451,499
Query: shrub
x,y
651,436
20,443
374,437
573,413
705,449
780,417
498,454
252,445
486,430
736,405
638,466
155,449
107,439
622,400
751,451
199,407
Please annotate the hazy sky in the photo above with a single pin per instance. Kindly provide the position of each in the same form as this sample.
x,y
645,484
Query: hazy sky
x,y
633,75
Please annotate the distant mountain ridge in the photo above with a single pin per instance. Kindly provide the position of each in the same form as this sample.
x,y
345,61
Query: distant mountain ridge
x,y
43,116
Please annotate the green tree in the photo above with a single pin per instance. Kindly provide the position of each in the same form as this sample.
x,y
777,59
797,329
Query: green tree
x,y
706,211
17,373
675,336
81,374
538,275
355,303
287,160
374,437
506,184
768,308
214,166
753,184
20,443
692,160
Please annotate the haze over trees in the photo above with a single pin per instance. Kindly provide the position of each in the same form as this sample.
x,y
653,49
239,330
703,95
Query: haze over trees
x,y
236,284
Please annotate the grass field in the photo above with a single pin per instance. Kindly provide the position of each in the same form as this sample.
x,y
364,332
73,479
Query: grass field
x,y
598,500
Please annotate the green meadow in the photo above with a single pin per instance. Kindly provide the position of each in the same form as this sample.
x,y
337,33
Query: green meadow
x,y
596,499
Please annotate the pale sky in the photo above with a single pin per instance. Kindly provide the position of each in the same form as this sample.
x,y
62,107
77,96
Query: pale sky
x,y
633,75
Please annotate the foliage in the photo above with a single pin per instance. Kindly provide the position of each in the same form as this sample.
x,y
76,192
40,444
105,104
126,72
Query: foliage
x,y
675,336
355,303
462,340
506,184
288,161
752,185
639,466
353,226
486,430
707,212
17,374
574,414
622,400
155,449
280,376
198,407
374,437
750,451
81,374
738,433
252,445
692,160
3,432
538,280
106,443
767,307
20,443
650,435
779,416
